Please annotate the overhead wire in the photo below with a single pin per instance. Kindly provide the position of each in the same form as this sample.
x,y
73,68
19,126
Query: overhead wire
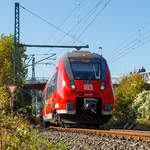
x,y
91,11
127,44
132,44
124,43
51,24
83,20
68,17
49,57
58,28
90,23
129,49
132,49
87,16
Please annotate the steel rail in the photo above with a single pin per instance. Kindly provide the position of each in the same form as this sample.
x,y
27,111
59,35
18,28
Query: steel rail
x,y
114,133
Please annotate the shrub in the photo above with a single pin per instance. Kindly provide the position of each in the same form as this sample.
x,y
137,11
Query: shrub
x,y
125,94
15,132
4,98
141,106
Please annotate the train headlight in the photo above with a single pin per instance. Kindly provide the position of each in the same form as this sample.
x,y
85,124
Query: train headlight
x,y
72,85
107,107
103,85
70,106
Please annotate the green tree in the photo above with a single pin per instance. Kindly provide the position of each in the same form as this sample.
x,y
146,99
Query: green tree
x,y
7,69
6,59
15,132
125,94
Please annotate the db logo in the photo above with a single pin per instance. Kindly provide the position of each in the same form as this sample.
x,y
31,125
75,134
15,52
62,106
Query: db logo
x,y
88,87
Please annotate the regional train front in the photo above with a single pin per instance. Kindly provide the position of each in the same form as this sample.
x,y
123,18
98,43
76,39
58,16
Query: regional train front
x,y
84,93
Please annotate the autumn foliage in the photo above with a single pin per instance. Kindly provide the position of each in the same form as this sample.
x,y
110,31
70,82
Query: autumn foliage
x,y
15,132
126,92
6,59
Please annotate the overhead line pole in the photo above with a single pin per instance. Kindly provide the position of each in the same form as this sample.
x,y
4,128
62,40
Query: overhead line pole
x,y
16,55
17,45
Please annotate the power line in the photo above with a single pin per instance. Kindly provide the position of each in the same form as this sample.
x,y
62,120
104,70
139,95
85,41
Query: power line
x,y
90,23
133,42
68,17
71,13
51,24
134,48
49,57
86,18
126,45
141,43
131,45
83,20
91,11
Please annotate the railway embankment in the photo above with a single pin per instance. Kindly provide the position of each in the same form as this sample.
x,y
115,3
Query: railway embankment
x,y
89,141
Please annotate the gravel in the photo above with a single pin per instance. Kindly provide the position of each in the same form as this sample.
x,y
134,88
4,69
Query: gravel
x,y
79,141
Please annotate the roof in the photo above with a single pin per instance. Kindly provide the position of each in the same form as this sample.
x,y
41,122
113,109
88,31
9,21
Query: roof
x,y
81,54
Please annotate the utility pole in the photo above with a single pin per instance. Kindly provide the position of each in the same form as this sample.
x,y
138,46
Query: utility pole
x,y
16,55
18,46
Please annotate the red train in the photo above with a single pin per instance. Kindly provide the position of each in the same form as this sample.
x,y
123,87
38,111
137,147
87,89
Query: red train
x,y
79,91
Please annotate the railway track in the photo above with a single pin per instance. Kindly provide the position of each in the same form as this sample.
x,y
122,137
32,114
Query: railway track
x,y
114,133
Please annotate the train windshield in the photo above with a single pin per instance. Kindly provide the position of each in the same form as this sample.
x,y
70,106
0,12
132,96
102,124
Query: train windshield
x,y
85,70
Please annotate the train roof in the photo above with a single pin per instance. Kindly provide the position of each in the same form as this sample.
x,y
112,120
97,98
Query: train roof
x,y
81,54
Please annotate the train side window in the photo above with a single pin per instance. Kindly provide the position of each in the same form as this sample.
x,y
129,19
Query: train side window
x,y
49,90
56,80
52,86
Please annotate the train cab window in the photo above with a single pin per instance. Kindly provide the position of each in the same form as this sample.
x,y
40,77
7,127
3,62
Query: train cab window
x,y
85,70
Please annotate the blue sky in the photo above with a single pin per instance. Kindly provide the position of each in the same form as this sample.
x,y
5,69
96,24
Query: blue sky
x,y
118,27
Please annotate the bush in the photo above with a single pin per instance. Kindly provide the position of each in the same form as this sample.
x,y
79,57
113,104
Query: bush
x,y
15,132
4,99
141,106
125,94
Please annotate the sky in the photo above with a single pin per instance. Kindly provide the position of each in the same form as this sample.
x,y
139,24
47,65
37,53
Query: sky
x,y
120,27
